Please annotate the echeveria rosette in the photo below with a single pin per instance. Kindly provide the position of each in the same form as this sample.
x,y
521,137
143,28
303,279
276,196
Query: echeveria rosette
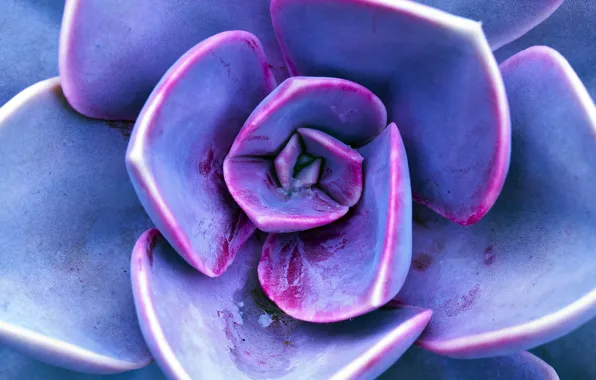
x,y
238,329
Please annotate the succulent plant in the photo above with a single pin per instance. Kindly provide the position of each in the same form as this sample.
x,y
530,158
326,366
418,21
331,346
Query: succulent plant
x,y
297,189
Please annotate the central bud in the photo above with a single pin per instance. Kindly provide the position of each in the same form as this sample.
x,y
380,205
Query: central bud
x,y
313,181
311,158
291,167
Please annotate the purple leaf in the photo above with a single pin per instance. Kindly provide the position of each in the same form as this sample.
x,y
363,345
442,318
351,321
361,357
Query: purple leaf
x,y
342,172
69,216
113,52
286,160
418,364
175,157
526,273
226,328
435,73
342,109
252,183
357,264
502,21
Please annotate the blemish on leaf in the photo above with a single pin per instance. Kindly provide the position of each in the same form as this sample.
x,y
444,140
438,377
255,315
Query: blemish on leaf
x,y
458,304
489,255
421,262
257,138
207,164
150,247
124,127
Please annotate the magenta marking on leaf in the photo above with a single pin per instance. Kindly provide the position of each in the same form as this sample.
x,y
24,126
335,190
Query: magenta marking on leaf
x,y
206,165
124,127
258,138
421,262
458,304
489,255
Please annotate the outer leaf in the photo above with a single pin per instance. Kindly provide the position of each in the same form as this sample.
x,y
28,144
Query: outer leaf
x,y
526,274
68,213
113,52
183,133
226,328
437,77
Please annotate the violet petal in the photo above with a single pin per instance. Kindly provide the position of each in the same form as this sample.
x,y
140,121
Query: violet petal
x,y
418,364
526,273
113,52
286,161
340,108
309,175
251,183
68,213
180,140
502,21
226,328
437,76
342,171
356,264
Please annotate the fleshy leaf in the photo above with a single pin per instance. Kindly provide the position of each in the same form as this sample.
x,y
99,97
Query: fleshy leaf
x,y
175,157
286,161
437,77
571,31
114,52
502,21
28,42
418,364
340,108
356,264
572,355
251,183
16,366
309,175
68,214
342,173
526,273
226,328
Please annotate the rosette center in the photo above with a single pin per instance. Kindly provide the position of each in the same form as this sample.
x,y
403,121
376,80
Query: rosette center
x,y
311,182
292,168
